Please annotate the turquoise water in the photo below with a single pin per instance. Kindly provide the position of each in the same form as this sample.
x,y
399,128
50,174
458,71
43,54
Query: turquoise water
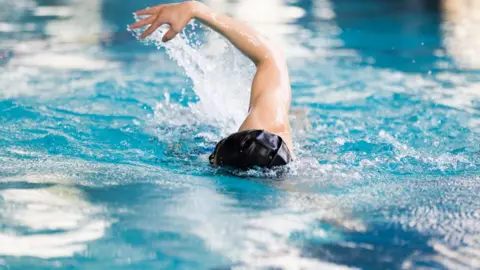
x,y
104,140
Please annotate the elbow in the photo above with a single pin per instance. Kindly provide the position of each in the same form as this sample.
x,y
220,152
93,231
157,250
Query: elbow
x,y
272,60
270,53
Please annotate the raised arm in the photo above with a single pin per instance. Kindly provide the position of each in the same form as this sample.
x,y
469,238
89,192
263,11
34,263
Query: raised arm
x,y
270,95
177,16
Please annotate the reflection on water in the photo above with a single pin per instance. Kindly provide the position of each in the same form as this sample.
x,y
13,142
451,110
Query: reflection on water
x,y
272,18
77,25
261,239
56,220
461,36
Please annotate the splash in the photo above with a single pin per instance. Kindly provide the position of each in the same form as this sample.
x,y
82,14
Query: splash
x,y
220,74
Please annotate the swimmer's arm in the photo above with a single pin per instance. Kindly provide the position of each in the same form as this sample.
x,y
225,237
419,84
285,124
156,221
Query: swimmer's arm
x,y
242,36
270,95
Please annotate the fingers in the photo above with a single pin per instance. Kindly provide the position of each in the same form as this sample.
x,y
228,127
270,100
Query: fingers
x,y
169,35
151,29
148,11
144,22
154,20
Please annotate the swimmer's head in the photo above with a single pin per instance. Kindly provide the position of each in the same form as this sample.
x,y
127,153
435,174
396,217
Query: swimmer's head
x,y
251,148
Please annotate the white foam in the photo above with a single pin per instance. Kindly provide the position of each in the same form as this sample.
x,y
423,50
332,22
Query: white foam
x,y
220,74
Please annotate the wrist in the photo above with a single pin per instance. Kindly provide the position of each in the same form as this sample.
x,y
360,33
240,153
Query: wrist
x,y
196,8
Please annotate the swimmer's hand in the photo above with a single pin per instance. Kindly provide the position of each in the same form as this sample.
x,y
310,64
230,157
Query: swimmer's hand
x,y
176,16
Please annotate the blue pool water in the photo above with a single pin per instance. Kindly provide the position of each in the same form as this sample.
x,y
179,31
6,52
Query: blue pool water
x,y
104,139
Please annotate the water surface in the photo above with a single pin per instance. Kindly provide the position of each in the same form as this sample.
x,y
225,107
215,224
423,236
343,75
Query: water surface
x,y
104,139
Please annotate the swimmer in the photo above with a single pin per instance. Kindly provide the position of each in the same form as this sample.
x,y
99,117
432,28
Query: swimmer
x,y
265,138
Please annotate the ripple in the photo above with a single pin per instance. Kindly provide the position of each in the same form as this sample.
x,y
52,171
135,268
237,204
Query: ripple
x,y
104,145
47,222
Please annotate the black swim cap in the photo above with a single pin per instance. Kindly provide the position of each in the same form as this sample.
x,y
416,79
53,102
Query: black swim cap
x,y
249,148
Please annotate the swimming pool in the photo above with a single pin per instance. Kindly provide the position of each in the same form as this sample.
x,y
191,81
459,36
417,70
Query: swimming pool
x,y
104,140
